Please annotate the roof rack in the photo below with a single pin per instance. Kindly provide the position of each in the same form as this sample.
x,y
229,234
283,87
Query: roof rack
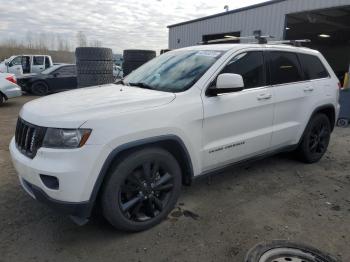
x,y
260,39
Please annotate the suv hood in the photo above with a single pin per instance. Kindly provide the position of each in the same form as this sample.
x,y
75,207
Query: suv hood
x,y
72,108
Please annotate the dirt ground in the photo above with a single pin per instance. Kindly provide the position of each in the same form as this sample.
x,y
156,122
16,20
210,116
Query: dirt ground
x,y
277,198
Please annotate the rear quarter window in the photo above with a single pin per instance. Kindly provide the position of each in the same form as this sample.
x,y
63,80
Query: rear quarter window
x,y
313,67
284,67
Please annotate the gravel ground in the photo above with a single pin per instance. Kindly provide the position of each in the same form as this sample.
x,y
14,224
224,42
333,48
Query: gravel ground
x,y
277,198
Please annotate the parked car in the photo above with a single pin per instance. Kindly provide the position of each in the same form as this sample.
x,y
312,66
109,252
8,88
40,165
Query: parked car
x,y
8,87
185,114
26,64
57,78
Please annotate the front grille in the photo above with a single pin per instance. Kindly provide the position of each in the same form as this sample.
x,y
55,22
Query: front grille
x,y
28,137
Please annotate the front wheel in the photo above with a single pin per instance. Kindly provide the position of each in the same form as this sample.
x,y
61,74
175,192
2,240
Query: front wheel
x,y
141,190
315,140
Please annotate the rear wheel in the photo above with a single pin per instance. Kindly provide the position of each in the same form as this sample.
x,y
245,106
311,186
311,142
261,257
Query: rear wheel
x,y
39,89
316,139
141,190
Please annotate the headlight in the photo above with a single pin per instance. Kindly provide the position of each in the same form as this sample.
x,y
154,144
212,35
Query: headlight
x,y
65,138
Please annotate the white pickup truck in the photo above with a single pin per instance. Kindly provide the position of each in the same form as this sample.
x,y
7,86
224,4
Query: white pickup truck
x,y
25,64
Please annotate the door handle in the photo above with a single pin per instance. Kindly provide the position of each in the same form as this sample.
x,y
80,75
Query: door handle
x,y
308,89
264,96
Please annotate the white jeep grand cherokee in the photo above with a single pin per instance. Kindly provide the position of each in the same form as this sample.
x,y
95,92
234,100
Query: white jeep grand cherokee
x,y
190,112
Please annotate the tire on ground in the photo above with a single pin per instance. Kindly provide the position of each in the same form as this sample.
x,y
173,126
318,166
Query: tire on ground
x,y
110,191
256,253
303,151
94,66
93,54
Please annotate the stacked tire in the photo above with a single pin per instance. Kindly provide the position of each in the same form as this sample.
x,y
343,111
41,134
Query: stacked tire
x,y
134,58
94,66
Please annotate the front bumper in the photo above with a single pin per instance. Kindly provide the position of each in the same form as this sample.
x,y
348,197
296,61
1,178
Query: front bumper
x,y
81,210
75,169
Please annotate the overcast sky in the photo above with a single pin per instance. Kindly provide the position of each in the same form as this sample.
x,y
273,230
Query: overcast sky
x,y
118,24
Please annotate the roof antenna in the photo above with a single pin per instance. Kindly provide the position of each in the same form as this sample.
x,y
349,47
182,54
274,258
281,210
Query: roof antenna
x,y
226,8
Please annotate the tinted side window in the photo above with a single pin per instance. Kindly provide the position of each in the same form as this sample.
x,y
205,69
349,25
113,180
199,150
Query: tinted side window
x,y
250,66
66,71
38,60
312,67
284,68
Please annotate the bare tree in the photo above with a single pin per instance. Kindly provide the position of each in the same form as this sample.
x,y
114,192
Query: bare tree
x,y
96,43
81,39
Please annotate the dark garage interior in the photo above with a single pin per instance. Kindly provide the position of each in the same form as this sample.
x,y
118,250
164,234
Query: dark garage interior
x,y
329,32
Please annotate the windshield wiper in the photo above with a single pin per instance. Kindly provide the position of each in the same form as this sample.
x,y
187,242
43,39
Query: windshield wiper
x,y
121,81
142,85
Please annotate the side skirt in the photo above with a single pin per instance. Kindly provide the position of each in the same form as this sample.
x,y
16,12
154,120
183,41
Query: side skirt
x,y
244,162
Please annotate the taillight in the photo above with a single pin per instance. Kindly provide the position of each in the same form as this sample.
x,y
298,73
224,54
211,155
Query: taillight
x,y
11,79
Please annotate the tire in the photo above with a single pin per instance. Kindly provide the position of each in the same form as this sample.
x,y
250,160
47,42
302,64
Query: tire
x,y
39,89
343,122
315,139
85,80
95,67
278,250
129,66
138,55
127,183
93,54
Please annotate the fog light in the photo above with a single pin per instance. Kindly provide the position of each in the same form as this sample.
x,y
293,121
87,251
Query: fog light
x,y
50,181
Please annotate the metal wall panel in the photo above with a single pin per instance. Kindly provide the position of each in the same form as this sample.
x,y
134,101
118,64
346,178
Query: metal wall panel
x,y
270,19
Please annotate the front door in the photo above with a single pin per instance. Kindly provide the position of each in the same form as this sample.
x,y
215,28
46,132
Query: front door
x,y
238,125
38,64
15,66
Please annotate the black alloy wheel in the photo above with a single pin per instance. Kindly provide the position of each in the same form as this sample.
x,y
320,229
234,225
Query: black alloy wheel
x,y
315,140
145,191
141,189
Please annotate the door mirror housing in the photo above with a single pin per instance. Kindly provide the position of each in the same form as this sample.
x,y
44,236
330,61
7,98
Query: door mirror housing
x,y
7,63
227,83
56,74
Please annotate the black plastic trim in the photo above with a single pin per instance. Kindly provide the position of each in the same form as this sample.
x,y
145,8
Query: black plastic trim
x,y
80,209
243,162
143,142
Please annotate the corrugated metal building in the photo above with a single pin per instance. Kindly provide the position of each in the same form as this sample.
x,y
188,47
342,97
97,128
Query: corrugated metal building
x,y
325,22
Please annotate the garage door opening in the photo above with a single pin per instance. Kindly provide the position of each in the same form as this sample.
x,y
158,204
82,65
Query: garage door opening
x,y
329,32
206,38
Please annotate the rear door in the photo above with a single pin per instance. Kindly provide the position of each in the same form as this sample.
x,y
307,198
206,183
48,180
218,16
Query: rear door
x,y
292,92
238,125
38,64
63,78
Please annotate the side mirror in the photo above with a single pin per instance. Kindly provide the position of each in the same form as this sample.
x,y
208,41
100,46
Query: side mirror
x,y
227,83
7,63
56,74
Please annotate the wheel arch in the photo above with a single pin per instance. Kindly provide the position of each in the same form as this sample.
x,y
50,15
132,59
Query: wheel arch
x,y
32,83
329,111
171,143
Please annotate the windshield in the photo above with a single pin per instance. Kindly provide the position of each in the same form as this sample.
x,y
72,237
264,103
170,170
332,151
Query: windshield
x,y
173,71
50,69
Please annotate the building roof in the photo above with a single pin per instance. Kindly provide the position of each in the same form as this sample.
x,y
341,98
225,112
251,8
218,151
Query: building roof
x,y
270,2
